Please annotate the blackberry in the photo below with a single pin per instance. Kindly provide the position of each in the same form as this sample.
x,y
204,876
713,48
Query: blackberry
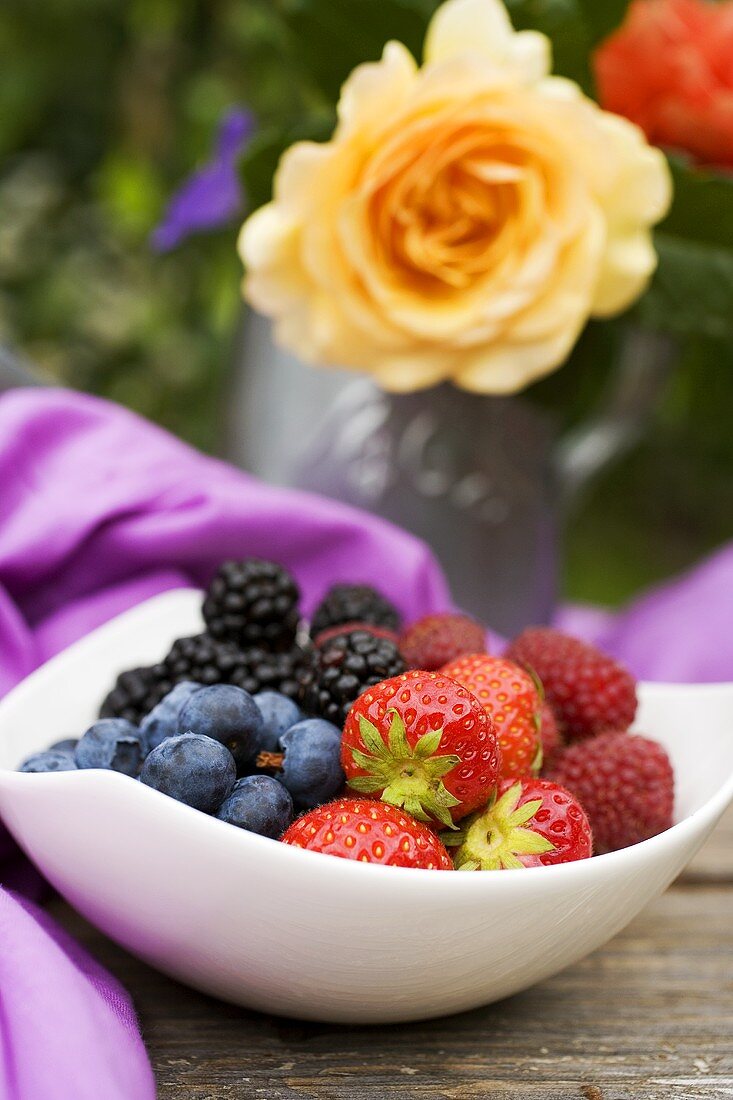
x,y
136,692
343,668
354,603
202,659
208,661
261,670
253,603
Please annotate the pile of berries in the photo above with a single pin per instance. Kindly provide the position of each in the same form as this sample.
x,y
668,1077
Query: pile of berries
x,y
417,749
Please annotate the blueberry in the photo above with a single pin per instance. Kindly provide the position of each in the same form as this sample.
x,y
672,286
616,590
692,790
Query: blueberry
x,y
67,745
112,743
228,714
278,713
260,804
162,721
193,769
311,768
49,761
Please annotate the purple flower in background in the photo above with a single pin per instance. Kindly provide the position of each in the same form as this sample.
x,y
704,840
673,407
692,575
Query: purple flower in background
x,y
213,194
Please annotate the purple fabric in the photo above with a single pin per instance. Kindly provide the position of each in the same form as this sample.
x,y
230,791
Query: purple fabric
x,y
680,631
68,1028
213,194
99,510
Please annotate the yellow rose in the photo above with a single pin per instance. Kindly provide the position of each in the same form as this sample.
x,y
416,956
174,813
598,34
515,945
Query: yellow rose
x,y
465,219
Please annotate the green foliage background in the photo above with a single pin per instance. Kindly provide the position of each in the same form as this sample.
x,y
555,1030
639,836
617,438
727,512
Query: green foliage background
x,y
105,105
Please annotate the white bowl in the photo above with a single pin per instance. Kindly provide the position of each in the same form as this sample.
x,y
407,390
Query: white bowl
x,y
296,933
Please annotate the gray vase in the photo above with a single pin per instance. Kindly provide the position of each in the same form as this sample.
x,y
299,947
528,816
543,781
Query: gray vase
x,y
483,480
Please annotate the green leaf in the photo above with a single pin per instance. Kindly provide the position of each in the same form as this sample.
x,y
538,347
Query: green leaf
x,y
702,208
525,812
369,763
525,842
367,784
602,17
372,739
692,290
440,765
428,743
399,748
331,37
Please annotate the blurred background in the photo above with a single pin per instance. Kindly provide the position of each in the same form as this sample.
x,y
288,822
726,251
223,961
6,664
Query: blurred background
x,y
106,106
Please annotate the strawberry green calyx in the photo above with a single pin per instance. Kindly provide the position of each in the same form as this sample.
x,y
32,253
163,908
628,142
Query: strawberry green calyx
x,y
494,838
404,775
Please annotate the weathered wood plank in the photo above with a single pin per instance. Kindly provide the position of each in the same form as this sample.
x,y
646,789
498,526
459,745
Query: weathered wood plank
x,y
649,1016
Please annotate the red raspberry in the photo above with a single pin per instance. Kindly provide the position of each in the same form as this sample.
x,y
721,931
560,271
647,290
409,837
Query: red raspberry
x,y
435,640
371,832
588,691
625,784
552,741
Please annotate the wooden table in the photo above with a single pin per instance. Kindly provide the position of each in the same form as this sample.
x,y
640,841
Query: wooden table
x,y
648,1016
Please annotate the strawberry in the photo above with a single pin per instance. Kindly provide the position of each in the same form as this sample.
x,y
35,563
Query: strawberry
x,y
625,783
422,742
550,736
372,832
530,823
588,691
436,639
511,697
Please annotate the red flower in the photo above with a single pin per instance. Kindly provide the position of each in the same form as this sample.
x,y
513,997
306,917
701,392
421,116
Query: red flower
x,y
669,68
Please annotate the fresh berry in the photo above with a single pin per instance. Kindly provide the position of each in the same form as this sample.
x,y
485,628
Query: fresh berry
x,y
510,696
253,603
208,661
111,743
278,714
435,640
259,804
588,691
551,737
284,672
343,668
310,762
227,714
354,603
625,783
52,760
68,745
193,769
347,628
371,832
202,659
136,691
422,742
162,721
530,823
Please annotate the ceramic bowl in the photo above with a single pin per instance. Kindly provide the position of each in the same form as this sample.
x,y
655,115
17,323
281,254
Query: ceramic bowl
x,y
301,934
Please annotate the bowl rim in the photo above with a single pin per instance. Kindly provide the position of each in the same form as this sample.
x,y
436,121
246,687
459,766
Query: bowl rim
x,y
244,842
259,846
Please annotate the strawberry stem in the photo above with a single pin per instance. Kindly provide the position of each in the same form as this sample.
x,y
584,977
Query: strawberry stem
x,y
272,760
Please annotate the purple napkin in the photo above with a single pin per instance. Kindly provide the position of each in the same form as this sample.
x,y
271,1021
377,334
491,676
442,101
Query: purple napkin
x,y
98,510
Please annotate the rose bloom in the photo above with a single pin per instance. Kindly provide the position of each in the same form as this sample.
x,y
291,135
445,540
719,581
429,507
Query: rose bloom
x,y
669,68
464,221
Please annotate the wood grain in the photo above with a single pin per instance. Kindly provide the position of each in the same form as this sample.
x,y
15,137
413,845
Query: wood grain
x,y
647,1017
